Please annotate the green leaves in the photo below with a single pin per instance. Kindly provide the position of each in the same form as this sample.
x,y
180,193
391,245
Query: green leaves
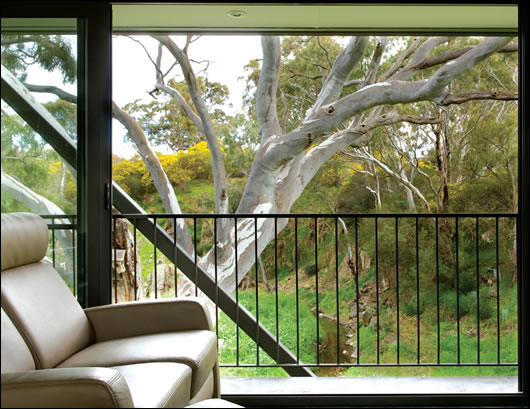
x,y
51,52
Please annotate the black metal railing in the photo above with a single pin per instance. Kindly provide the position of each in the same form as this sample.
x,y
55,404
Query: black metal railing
x,y
409,289
62,247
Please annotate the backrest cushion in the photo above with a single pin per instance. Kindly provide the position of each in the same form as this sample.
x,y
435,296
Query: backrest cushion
x,y
24,239
16,357
39,303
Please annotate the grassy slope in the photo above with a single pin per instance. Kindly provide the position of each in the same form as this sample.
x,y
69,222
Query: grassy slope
x,y
197,197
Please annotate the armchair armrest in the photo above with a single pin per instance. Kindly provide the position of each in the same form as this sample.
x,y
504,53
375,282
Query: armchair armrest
x,y
66,388
148,317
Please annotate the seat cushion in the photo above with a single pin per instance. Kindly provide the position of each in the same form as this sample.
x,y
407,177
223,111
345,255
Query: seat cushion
x,y
158,385
196,349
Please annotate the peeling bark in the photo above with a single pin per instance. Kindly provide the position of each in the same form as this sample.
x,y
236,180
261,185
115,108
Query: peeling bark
x,y
160,179
266,110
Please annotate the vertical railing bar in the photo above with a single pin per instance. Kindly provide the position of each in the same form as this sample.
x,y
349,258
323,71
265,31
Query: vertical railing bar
x,y
357,287
498,295
337,285
175,255
135,265
418,288
155,222
216,283
257,286
457,295
297,298
276,288
115,263
195,255
377,282
397,286
478,288
316,289
74,270
437,289
237,292
53,242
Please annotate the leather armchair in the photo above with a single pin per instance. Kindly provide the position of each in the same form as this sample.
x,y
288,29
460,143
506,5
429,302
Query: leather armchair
x,y
55,354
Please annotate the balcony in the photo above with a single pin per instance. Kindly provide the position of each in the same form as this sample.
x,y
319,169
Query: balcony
x,y
426,303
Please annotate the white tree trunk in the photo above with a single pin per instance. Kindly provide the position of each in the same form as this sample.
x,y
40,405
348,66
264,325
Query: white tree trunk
x,y
159,176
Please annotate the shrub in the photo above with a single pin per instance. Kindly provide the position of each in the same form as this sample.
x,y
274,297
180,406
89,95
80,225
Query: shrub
x,y
310,270
411,308
486,305
467,282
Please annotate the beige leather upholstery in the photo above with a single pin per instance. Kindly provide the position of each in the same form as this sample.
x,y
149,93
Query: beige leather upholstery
x,y
208,388
23,240
45,312
113,321
16,356
214,403
196,349
157,385
66,388
55,354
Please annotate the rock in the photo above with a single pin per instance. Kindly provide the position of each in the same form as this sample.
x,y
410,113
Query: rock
x,y
165,279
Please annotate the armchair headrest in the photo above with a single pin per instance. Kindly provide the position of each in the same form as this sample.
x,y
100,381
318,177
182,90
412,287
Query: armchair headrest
x,y
24,239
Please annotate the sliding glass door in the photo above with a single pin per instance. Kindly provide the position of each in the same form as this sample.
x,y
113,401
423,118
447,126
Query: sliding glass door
x,y
56,134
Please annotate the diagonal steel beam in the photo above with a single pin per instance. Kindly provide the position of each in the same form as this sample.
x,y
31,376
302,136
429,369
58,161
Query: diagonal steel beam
x,y
226,302
20,99
17,96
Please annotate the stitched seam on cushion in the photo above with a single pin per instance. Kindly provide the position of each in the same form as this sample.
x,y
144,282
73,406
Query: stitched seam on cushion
x,y
95,382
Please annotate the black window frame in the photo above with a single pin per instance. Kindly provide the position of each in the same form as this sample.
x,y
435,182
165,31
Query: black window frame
x,y
94,213
94,32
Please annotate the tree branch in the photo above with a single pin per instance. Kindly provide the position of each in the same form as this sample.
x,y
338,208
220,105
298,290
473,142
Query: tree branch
x,y
62,94
342,67
376,61
159,176
400,177
420,55
266,110
451,55
401,59
473,96
218,168
279,151
309,163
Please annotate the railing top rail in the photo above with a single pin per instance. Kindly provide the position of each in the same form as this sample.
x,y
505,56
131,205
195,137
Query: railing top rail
x,y
58,216
308,215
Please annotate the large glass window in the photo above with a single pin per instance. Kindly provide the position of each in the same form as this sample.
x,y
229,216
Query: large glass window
x,y
354,126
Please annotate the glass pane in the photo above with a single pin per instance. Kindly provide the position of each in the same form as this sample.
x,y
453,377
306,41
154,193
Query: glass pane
x,y
394,284
39,131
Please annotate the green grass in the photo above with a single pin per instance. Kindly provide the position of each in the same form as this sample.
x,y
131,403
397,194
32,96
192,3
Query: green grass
x,y
267,316
197,197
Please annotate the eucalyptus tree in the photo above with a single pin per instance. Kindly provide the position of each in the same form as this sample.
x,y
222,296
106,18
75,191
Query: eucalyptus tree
x,y
363,86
